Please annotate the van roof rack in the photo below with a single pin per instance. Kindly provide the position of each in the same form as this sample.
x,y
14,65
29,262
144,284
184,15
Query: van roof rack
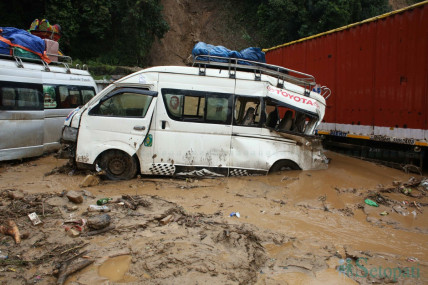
x,y
237,64
64,60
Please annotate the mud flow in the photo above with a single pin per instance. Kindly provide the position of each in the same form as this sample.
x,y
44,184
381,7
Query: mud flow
x,y
353,223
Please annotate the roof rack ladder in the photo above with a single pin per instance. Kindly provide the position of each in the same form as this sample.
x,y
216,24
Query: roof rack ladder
x,y
19,62
67,67
232,72
45,66
202,71
257,75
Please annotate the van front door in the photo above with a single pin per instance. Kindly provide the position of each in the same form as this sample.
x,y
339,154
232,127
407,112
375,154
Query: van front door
x,y
119,121
246,154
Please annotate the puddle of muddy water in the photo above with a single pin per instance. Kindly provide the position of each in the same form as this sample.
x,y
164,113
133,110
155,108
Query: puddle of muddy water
x,y
115,268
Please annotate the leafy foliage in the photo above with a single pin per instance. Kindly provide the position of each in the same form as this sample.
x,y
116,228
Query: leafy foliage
x,y
109,31
281,21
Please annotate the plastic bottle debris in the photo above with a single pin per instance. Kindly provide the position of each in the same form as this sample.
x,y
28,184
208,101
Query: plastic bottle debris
x,y
406,191
2,256
235,214
97,208
384,213
371,203
103,201
424,183
34,218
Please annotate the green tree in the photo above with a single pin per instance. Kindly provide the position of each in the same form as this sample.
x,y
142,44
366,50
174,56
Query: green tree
x,y
282,21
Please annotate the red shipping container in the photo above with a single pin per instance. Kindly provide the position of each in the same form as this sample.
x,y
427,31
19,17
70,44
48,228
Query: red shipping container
x,y
377,71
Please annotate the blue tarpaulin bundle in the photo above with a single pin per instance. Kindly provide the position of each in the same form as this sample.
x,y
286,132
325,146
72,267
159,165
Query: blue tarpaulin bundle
x,y
13,37
251,53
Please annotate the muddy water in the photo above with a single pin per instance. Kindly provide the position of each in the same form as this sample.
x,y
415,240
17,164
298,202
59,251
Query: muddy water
x,y
322,212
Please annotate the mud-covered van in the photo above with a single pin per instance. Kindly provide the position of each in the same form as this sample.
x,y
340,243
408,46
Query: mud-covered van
x,y
35,99
214,119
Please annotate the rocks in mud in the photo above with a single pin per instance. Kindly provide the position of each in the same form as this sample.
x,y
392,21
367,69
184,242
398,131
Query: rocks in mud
x,y
15,195
74,197
90,180
99,222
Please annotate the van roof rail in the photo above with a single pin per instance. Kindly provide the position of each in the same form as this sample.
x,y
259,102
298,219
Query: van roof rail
x,y
237,64
63,60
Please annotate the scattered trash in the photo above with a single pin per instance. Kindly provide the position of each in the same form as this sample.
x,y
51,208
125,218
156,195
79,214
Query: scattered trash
x,y
99,222
74,197
97,208
371,203
424,183
2,256
412,259
400,210
235,214
72,232
90,180
384,213
103,201
167,219
34,219
406,191
414,213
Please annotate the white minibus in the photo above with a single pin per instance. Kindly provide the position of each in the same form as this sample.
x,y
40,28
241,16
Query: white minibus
x,y
35,99
212,119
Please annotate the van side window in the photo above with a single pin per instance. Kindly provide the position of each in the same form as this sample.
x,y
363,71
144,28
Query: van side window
x,y
20,96
194,108
87,94
198,106
247,111
124,104
69,96
49,94
174,104
8,97
217,109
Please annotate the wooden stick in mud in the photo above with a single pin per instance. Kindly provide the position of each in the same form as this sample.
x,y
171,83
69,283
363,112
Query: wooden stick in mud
x,y
11,230
66,271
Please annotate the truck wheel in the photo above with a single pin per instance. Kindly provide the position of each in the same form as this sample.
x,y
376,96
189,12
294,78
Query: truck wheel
x,y
284,165
118,165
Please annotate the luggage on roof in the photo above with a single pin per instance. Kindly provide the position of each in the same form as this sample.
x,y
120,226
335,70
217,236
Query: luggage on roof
x,y
251,53
16,38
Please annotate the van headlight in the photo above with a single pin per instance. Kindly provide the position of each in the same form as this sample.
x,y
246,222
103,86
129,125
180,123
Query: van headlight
x,y
69,134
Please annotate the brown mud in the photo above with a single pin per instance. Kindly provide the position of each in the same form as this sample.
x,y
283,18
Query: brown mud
x,y
296,227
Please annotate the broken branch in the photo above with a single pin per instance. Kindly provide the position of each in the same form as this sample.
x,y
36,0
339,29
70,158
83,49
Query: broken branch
x,y
11,230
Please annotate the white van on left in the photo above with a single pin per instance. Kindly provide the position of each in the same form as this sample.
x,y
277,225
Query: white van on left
x,y
35,99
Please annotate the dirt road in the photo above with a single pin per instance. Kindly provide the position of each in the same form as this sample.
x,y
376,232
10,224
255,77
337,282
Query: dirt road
x,y
298,227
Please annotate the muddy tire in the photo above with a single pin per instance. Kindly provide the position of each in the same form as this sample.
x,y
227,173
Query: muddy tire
x,y
283,165
118,165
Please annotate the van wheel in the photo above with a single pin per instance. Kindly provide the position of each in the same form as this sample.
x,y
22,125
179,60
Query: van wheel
x,y
284,165
118,165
